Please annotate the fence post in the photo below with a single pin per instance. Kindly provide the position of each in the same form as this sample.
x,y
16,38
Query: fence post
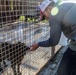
x,y
52,51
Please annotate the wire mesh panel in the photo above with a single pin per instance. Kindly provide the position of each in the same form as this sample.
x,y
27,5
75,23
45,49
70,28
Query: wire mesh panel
x,y
20,27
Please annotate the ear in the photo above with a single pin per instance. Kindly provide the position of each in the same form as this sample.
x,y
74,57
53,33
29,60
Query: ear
x,y
48,9
18,42
4,44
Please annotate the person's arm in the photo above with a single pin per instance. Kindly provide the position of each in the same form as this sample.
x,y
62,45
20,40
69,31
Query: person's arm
x,y
55,33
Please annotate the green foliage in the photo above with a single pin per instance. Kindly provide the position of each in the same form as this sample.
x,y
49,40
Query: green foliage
x,y
44,21
11,5
22,18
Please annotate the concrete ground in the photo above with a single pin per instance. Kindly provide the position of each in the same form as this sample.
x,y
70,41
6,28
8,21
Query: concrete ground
x,y
51,67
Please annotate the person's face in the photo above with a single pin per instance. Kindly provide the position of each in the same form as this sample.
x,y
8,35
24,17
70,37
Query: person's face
x,y
42,17
46,14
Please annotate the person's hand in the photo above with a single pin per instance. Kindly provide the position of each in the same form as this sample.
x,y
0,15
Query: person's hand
x,y
34,47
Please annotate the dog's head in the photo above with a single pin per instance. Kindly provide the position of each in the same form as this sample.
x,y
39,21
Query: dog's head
x,y
22,46
5,45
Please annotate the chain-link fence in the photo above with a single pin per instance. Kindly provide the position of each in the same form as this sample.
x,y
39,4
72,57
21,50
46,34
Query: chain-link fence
x,y
20,27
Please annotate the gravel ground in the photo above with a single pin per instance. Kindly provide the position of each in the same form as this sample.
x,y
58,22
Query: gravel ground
x,y
52,66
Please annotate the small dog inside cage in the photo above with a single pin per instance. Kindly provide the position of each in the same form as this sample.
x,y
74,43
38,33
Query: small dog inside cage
x,y
14,53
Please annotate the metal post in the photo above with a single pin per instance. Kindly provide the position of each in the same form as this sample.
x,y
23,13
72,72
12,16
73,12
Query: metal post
x,y
53,51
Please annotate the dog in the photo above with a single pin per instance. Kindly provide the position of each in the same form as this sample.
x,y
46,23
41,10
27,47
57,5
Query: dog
x,y
14,53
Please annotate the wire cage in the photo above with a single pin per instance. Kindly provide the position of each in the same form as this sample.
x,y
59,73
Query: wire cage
x,y
20,27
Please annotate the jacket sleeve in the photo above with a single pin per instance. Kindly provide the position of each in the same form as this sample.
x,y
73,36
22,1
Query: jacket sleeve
x,y
55,33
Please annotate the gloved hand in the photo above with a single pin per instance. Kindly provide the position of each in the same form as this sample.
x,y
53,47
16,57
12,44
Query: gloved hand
x,y
34,47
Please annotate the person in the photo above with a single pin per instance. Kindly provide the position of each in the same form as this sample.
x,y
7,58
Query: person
x,y
62,18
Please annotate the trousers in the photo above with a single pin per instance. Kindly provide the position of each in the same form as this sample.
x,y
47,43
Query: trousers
x,y
68,63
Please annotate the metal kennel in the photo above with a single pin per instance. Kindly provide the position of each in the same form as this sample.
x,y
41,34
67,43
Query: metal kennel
x,y
20,27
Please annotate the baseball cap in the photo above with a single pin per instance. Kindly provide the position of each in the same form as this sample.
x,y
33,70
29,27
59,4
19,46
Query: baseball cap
x,y
45,3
